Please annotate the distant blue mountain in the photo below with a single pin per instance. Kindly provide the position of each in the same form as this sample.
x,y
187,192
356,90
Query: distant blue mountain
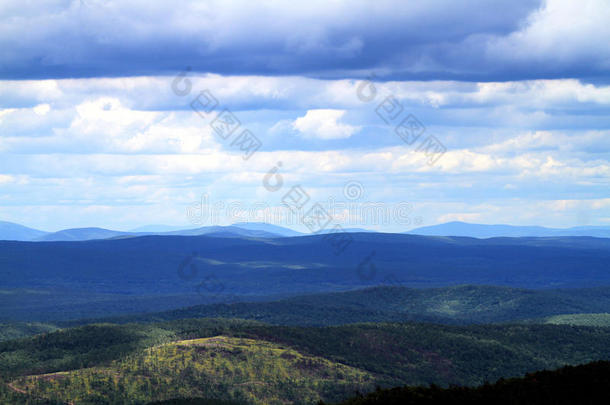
x,y
255,229
156,228
80,234
12,231
491,231
350,230
16,232
261,226
224,231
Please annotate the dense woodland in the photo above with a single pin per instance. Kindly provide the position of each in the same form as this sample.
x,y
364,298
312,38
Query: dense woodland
x,y
54,281
587,384
125,362
466,304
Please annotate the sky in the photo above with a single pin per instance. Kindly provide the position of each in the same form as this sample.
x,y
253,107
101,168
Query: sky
x,y
390,114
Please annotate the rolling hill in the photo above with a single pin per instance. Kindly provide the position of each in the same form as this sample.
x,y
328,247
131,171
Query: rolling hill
x,y
186,270
457,228
16,232
459,305
243,370
224,231
84,234
12,231
273,229
132,362
157,228
80,234
447,305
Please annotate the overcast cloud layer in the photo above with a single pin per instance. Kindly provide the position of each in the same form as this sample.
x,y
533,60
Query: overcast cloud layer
x,y
95,130
472,40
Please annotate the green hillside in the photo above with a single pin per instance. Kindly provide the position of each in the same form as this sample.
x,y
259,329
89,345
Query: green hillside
x,y
238,369
120,359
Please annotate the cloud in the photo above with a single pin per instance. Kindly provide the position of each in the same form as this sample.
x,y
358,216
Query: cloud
x,y
476,40
133,149
561,36
6,179
42,109
142,115
323,124
585,144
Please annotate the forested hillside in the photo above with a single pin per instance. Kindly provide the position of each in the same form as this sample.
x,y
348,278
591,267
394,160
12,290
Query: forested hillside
x,y
448,305
44,280
586,384
119,361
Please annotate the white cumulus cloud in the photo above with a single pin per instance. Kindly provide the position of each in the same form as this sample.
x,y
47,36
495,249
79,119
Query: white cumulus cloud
x,y
324,124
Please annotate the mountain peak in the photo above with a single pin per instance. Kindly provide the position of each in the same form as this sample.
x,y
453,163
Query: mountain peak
x,y
13,231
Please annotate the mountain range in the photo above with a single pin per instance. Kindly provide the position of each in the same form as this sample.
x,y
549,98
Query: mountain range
x,y
13,231
169,271
457,228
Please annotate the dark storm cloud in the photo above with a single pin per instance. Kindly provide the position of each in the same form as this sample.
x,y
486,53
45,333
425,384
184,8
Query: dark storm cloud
x,y
420,40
